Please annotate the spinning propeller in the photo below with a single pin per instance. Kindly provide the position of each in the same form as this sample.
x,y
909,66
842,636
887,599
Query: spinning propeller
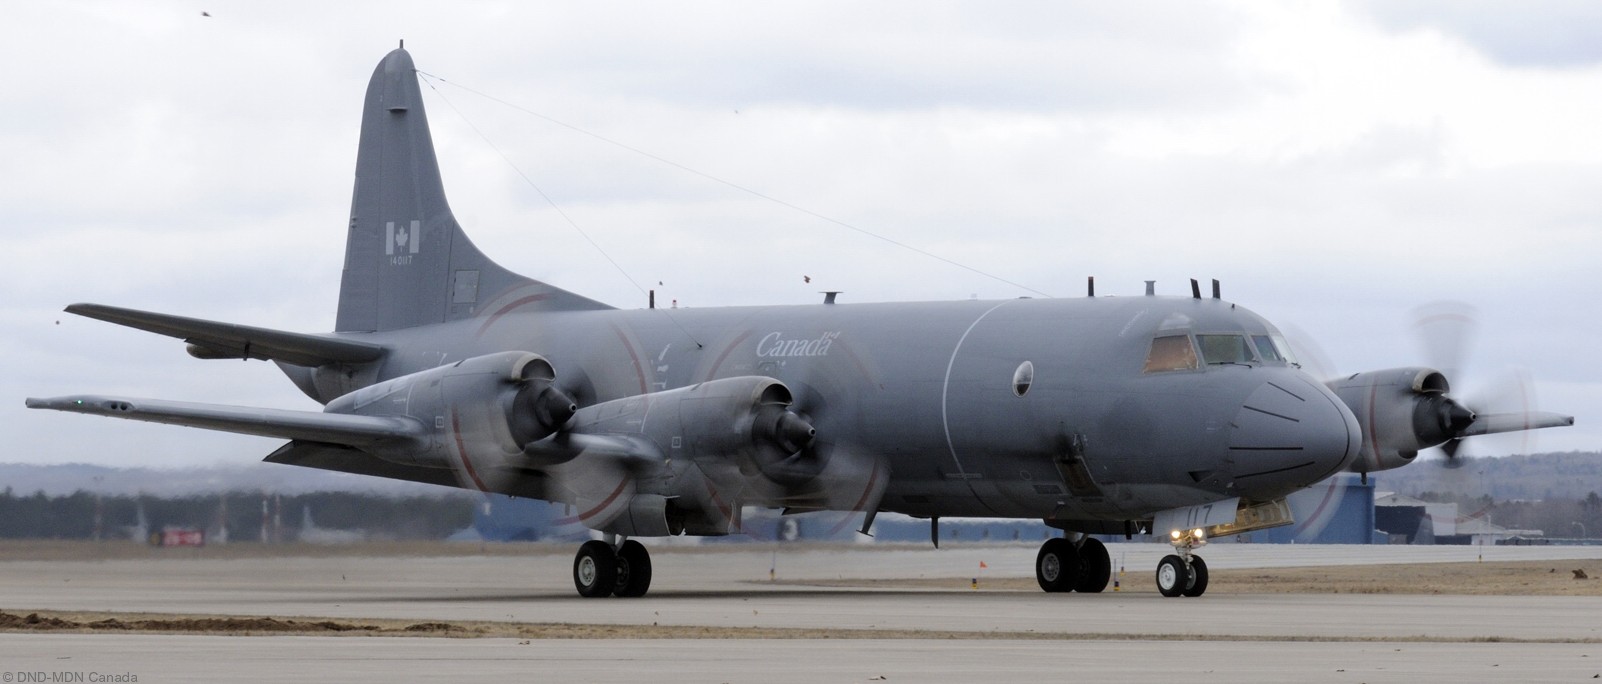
x,y
1445,330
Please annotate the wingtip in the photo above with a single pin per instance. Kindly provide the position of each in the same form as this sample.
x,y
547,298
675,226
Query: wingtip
x,y
83,403
57,403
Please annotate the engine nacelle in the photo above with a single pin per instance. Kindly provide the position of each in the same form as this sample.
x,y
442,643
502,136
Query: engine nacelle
x,y
486,407
746,418
648,515
1401,411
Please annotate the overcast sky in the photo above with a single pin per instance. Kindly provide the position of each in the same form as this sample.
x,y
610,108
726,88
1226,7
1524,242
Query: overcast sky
x,y
1335,164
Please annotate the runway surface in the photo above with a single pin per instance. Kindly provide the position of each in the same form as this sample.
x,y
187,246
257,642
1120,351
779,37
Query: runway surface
x,y
1129,635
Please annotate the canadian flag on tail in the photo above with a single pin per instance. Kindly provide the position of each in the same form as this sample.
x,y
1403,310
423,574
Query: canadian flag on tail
x,y
403,241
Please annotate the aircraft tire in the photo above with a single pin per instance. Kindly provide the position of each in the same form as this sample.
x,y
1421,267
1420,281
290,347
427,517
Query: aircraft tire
x,y
1095,567
1172,576
633,570
1057,566
595,569
1198,577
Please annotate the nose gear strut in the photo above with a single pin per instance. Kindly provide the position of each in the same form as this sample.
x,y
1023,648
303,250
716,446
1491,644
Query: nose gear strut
x,y
1183,573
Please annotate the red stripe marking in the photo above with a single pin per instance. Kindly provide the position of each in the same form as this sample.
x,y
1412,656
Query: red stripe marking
x,y
861,367
621,485
639,370
507,309
1329,494
717,501
461,449
862,502
713,373
1374,454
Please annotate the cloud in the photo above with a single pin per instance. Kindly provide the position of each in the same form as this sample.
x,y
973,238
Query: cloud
x,y
1333,171
1550,34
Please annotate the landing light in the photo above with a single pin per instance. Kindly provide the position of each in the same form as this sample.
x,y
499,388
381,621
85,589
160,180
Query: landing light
x,y
1174,534
1199,534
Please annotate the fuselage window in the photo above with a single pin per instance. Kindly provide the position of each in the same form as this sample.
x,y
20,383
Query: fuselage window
x,y
1171,353
1023,378
1266,349
1217,349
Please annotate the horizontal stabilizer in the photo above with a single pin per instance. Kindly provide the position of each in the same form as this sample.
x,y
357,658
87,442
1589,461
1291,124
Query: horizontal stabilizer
x,y
1492,423
316,426
214,340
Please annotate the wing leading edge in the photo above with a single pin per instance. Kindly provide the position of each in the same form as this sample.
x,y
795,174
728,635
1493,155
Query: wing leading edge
x,y
315,426
214,340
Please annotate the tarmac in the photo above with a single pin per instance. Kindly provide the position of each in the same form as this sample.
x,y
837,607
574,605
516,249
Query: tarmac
x,y
973,635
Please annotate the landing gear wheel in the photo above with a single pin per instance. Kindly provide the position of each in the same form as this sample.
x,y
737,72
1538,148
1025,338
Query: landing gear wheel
x,y
1057,566
1198,577
1172,576
1095,567
595,569
633,570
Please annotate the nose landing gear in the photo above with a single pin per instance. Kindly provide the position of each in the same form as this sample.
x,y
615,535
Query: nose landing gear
x,y
1183,573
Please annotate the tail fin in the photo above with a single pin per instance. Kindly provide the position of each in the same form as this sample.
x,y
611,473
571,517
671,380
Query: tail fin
x,y
407,262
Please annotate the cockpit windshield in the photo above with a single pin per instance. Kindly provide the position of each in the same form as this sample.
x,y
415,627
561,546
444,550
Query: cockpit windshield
x,y
1185,352
1218,349
1171,353
1284,348
1266,349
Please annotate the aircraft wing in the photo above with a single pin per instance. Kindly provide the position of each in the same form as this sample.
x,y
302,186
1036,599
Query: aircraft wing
x,y
214,340
315,426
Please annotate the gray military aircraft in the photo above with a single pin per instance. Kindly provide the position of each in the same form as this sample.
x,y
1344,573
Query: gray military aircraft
x,y
1181,416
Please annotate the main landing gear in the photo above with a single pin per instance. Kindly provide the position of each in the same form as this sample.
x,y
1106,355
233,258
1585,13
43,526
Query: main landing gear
x,y
604,569
1183,573
1084,566
1081,566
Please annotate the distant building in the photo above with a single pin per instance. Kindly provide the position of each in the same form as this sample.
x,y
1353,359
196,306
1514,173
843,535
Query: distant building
x,y
1413,521
1339,510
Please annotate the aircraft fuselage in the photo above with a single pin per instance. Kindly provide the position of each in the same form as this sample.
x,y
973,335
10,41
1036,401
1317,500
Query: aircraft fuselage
x,y
934,389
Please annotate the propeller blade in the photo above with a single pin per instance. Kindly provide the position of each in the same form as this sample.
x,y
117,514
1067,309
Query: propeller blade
x,y
1309,355
1450,449
1493,423
1445,329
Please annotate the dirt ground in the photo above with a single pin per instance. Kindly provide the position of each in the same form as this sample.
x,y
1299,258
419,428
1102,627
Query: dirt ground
x,y
1503,578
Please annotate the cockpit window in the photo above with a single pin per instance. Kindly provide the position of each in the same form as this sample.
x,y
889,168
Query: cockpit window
x,y
1266,349
1284,348
1217,349
1171,353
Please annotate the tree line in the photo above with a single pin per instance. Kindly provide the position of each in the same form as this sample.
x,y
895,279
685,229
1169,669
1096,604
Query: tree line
x,y
245,515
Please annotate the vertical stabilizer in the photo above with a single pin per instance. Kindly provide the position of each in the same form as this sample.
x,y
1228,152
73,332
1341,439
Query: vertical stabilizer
x,y
407,262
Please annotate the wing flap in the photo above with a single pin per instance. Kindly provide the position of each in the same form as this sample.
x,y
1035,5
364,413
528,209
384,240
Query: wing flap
x,y
215,340
344,459
316,426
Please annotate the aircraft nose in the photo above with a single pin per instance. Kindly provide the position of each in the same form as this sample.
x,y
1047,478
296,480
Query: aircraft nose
x,y
1289,433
